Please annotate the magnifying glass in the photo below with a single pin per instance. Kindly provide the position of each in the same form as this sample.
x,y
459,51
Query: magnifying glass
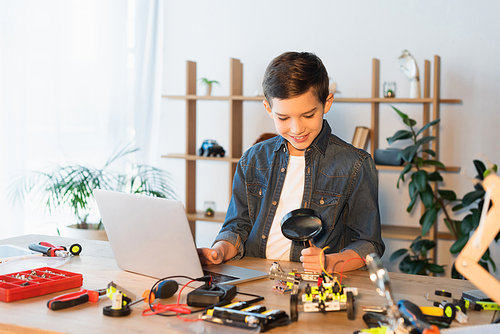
x,y
301,225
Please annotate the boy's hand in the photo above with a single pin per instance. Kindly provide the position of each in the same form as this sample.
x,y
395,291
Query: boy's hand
x,y
310,259
210,256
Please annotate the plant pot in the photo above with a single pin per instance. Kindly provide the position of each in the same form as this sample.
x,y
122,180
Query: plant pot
x,y
208,89
72,231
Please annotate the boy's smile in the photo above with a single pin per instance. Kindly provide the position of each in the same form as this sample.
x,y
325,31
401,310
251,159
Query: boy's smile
x,y
299,119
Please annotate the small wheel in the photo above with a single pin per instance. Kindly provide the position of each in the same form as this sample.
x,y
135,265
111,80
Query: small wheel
x,y
75,249
294,307
450,311
350,306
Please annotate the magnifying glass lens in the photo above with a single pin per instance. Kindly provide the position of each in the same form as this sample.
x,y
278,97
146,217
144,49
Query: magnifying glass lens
x,y
301,224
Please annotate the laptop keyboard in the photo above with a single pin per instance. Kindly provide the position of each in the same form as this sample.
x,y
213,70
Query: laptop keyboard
x,y
219,278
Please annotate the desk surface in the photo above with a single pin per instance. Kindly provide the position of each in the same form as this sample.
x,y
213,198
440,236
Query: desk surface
x,y
97,264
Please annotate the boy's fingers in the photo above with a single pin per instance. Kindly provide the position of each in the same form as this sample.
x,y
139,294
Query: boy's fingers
x,y
216,256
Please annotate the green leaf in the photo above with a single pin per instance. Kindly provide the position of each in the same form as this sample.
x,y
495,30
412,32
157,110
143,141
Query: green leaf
x,y
493,169
434,163
435,268
430,152
427,197
459,244
420,179
401,114
424,140
434,176
418,267
397,254
466,226
412,202
457,207
406,169
417,245
416,240
408,153
448,195
480,168
405,264
401,134
428,125
427,220
476,216
471,197
410,122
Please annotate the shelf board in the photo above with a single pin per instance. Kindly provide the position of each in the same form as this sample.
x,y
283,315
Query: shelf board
x,y
215,98
449,169
408,233
392,100
200,215
197,157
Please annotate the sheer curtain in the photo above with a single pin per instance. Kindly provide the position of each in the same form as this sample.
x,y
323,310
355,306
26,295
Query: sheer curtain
x,y
77,80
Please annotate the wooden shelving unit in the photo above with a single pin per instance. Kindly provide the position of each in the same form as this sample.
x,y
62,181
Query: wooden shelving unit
x,y
235,150
427,101
431,111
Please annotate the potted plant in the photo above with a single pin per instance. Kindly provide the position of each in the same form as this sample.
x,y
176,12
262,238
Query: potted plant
x,y
70,187
415,259
208,85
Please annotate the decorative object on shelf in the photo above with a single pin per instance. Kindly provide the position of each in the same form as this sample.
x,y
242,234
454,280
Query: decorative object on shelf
x,y
389,89
265,136
209,208
60,188
208,85
360,138
210,148
408,65
388,157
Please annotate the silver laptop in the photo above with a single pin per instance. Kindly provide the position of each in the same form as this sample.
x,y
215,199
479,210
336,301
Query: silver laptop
x,y
151,236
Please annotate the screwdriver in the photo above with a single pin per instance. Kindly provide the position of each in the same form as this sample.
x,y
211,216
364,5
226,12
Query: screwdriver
x,y
165,289
50,251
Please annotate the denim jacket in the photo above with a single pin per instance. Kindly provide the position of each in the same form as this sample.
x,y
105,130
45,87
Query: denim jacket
x,y
340,183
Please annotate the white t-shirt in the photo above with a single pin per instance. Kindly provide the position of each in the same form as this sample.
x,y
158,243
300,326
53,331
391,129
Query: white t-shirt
x,y
278,247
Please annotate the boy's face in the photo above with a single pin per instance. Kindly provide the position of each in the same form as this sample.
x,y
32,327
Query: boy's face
x,y
299,119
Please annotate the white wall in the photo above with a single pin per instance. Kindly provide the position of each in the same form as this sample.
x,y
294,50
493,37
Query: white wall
x,y
346,35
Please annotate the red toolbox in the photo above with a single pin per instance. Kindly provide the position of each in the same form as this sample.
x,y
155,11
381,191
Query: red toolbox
x,y
36,282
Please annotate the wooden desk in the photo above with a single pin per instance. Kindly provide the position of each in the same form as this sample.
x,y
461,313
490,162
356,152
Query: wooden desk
x,y
98,267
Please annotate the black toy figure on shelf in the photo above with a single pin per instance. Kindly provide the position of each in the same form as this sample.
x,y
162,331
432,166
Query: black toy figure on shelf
x,y
210,148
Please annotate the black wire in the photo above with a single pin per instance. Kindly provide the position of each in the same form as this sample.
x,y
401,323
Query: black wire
x,y
251,301
204,278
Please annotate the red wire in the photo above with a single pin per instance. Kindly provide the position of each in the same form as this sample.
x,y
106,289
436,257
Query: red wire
x,y
177,308
342,268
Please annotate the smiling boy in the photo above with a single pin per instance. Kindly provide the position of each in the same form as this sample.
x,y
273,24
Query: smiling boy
x,y
305,167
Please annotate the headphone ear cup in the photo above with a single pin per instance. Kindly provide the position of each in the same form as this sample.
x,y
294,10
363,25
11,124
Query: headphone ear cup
x,y
167,288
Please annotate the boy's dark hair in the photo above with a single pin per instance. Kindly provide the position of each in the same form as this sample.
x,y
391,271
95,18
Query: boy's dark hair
x,y
292,74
